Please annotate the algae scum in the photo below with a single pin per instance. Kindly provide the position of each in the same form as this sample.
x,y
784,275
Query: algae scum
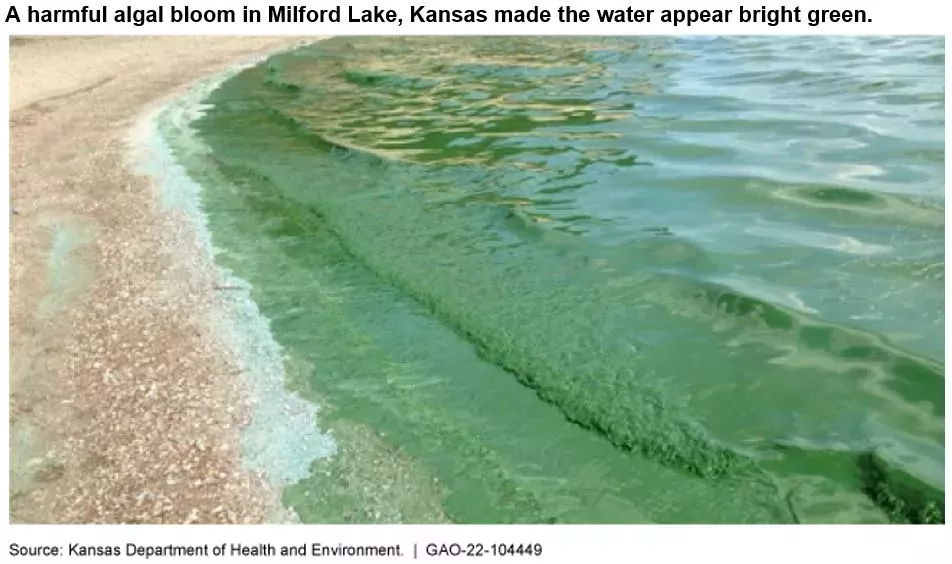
x,y
598,280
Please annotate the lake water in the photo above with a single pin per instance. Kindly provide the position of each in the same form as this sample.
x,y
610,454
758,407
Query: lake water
x,y
598,279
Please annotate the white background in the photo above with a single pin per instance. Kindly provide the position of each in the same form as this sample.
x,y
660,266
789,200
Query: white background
x,y
908,17
576,544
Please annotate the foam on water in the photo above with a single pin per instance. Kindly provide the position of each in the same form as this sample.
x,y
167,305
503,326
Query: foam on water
x,y
282,438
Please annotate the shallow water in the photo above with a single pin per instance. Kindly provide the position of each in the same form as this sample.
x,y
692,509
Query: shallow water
x,y
601,280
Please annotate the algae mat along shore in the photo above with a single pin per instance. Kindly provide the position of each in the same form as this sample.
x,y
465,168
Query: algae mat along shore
x,y
613,280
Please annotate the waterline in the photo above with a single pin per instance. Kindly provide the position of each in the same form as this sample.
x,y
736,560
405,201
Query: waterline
x,y
282,438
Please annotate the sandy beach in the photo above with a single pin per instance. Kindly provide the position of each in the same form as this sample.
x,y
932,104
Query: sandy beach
x,y
124,408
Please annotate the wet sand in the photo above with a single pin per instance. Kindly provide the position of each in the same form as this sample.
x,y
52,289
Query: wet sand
x,y
124,406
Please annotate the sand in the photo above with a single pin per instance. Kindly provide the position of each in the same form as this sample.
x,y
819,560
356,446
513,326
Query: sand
x,y
124,408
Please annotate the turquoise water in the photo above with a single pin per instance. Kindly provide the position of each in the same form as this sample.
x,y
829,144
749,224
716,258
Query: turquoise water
x,y
598,280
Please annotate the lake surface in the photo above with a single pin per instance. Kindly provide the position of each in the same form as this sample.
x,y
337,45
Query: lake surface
x,y
598,279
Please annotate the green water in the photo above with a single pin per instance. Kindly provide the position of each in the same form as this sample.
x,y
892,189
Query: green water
x,y
598,280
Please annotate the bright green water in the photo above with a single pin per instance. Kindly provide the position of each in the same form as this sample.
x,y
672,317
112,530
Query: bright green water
x,y
600,280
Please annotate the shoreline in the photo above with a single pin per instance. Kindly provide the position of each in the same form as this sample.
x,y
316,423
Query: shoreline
x,y
281,439
126,406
